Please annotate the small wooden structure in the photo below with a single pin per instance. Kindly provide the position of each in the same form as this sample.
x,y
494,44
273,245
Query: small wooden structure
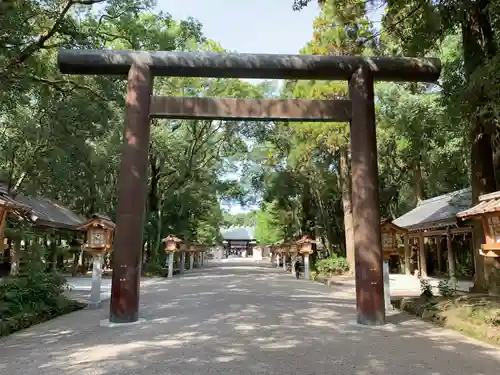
x,y
172,243
99,230
488,211
306,247
389,232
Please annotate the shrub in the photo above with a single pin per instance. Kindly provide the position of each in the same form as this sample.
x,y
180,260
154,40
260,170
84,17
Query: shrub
x,y
446,289
32,298
425,288
154,269
333,265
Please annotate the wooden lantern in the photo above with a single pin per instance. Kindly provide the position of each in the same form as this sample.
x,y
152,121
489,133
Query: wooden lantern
x,y
172,243
388,234
99,231
488,211
306,245
285,248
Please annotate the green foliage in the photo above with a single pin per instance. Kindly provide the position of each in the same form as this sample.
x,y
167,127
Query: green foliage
x,y
269,225
32,299
151,269
241,219
446,289
332,266
426,288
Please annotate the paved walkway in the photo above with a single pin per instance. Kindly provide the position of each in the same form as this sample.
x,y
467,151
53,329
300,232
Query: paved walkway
x,y
236,318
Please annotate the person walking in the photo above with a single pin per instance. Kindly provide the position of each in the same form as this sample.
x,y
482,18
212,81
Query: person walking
x,y
296,267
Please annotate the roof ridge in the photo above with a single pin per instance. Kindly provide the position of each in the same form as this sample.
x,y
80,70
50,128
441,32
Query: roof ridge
x,y
444,196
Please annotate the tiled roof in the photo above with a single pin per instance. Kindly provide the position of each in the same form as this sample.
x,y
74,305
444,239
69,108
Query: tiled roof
x,y
436,212
488,203
238,233
44,212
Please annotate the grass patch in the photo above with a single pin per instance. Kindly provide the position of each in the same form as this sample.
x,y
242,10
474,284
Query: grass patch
x,y
474,316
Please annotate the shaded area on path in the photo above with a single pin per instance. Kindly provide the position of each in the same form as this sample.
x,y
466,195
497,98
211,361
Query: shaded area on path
x,y
245,319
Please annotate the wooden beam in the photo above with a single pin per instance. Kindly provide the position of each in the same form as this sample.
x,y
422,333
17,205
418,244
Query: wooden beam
x,y
250,109
245,65
441,232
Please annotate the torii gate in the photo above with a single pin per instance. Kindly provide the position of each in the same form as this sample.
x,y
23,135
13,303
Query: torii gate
x,y
141,67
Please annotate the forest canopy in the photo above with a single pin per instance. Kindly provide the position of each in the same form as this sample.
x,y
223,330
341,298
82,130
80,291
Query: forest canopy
x,y
61,134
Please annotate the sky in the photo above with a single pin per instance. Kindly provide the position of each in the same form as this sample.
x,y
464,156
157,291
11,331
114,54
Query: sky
x,y
250,26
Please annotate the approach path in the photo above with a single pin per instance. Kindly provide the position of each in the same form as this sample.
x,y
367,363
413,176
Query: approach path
x,y
241,318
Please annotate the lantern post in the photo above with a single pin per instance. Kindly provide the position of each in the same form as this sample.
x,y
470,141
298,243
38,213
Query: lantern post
x,y
99,232
294,251
172,244
285,250
182,249
388,234
191,249
278,255
306,248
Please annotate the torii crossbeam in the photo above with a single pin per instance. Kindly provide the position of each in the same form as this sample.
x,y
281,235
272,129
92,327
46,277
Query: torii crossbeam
x,y
141,67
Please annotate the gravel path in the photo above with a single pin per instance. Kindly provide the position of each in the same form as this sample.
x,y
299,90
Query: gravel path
x,y
242,318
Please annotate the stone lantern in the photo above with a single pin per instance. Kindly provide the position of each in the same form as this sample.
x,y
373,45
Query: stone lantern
x,y
388,234
172,244
191,249
200,251
293,251
488,212
99,239
306,247
279,250
285,250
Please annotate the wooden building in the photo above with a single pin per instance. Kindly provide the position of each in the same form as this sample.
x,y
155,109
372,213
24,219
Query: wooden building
x,y
46,216
436,238
238,241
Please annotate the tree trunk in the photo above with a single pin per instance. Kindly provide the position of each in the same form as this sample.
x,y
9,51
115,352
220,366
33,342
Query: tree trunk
x,y
74,268
479,45
345,178
418,182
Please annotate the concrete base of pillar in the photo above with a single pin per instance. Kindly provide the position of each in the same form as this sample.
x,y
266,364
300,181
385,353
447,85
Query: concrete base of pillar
x,y
94,305
387,290
108,324
383,327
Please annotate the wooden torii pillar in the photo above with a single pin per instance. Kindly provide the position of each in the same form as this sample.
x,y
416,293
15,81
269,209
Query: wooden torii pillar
x,y
360,72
